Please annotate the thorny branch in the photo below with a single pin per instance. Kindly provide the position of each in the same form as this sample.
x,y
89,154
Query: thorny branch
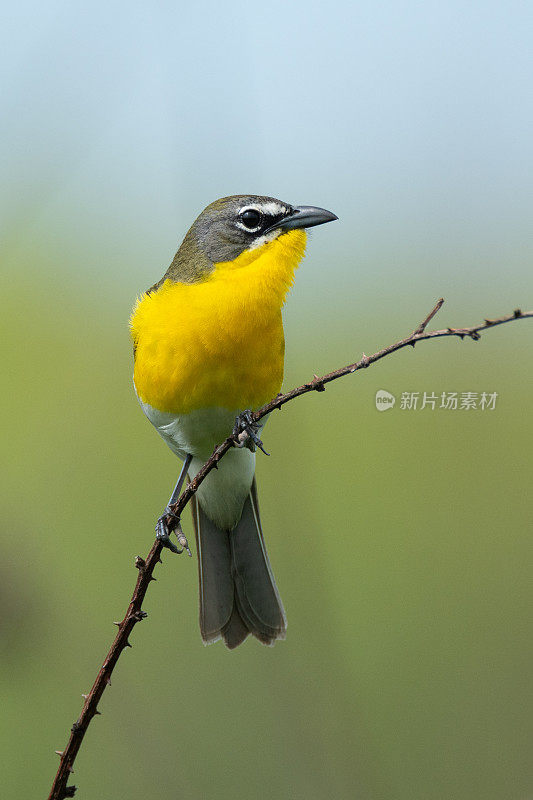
x,y
135,614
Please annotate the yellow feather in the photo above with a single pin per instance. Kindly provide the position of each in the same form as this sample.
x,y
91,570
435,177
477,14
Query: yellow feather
x,y
218,342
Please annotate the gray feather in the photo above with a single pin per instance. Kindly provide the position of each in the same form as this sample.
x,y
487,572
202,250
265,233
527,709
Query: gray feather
x,y
238,593
214,236
214,573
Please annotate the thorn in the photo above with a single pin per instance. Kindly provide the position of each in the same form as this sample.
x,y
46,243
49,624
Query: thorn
x,y
450,330
139,615
118,624
489,322
70,791
317,384
140,563
475,336
58,752
412,344
128,645
462,336
70,769
85,696
108,681
365,361
517,313
152,578
97,713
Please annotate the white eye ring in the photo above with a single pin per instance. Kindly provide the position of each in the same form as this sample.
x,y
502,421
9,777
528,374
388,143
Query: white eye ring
x,y
250,210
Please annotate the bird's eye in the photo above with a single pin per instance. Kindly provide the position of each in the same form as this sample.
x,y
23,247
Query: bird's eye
x,y
251,218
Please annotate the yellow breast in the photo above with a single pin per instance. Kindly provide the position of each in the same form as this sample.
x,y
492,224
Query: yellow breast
x,y
218,342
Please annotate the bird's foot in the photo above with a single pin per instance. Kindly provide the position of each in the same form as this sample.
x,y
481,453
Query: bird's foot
x,y
163,531
245,432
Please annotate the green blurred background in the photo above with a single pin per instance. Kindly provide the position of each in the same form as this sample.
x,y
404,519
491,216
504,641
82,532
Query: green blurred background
x,y
401,541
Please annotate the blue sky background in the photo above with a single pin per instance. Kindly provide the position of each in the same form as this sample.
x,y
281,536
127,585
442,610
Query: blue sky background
x,y
410,120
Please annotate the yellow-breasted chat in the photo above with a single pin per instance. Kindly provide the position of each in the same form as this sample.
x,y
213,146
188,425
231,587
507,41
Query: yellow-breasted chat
x,y
208,345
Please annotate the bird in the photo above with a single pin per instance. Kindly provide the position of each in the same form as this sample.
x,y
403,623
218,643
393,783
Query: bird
x,y
208,348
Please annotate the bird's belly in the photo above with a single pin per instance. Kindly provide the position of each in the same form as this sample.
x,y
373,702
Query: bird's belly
x,y
224,490
204,353
195,432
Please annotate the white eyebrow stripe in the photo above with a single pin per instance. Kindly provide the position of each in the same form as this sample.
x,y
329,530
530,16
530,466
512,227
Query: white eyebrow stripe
x,y
272,209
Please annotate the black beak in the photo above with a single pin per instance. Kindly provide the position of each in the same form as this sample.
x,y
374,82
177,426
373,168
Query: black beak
x,y
303,217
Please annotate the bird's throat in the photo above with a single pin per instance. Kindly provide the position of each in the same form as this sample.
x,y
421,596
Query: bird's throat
x,y
218,342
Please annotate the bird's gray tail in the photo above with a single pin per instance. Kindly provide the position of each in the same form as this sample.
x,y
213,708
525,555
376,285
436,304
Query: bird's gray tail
x,y
238,593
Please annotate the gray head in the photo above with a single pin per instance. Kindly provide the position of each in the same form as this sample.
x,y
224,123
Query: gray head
x,y
229,226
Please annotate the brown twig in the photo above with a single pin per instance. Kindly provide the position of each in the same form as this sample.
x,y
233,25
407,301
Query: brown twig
x,y
135,614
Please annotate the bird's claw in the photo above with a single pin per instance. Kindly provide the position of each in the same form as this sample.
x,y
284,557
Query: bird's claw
x,y
162,532
245,432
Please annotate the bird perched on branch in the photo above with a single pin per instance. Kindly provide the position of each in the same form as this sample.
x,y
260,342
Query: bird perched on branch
x,y
208,344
